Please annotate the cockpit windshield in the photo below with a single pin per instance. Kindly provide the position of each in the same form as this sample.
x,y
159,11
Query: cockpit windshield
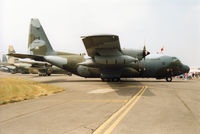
x,y
174,59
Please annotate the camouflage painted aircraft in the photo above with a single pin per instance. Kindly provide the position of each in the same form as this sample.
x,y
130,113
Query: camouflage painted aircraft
x,y
15,65
3,64
11,63
35,46
108,61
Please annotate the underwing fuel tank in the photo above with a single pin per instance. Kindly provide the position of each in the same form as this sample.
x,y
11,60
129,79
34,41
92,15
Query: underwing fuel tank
x,y
108,60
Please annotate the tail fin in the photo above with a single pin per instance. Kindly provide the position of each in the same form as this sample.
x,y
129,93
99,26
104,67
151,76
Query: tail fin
x,y
11,50
4,58
38,42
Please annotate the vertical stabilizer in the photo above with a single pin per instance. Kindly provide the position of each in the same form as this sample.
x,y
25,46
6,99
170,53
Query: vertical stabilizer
x,y
11,49
38,42
4,58
10,58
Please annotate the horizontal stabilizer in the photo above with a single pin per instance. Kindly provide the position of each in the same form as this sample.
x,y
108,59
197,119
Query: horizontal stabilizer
x,y
33,57
4,58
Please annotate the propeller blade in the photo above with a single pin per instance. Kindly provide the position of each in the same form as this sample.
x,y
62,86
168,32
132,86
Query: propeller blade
x,y
145,52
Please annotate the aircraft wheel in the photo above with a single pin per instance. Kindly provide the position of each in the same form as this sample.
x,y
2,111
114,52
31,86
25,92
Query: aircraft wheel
x,y
115,79
13,72
49,74
103,79
168,78
108,79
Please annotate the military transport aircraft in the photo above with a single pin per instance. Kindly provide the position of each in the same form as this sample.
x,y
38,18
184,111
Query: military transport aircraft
x,y
15,65
3,62
107,60
11,63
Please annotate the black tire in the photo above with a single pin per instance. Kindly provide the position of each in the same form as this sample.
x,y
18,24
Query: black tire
x,y
103,79
13,72
115,79
108,79
169,79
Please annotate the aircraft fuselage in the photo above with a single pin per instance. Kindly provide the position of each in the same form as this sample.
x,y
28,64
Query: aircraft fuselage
x,y
159,67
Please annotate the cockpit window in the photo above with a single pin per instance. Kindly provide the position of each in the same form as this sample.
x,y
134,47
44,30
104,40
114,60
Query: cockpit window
x,y
174,59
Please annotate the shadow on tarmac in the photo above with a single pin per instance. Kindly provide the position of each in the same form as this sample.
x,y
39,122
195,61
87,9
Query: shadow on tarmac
x,y
124,87
65,80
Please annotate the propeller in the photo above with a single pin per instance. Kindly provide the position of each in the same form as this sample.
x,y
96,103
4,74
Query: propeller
x,y
145,52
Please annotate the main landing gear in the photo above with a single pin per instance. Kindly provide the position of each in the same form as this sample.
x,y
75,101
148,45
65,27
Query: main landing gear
x,y
168,78
44,74
110,79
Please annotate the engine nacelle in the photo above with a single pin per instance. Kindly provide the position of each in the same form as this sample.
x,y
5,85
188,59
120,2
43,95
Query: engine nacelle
x,y
139,54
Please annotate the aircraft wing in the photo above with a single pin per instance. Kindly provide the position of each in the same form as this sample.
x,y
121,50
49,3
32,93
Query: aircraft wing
x,y
102,45
33,57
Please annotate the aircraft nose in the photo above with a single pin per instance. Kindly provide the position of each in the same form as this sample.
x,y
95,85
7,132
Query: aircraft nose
x,y
186,68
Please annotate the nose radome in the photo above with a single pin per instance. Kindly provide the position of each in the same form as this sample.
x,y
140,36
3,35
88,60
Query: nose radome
x,y
186,68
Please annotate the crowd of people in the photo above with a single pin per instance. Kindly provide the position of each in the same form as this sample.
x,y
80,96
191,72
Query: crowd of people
x,y
190,75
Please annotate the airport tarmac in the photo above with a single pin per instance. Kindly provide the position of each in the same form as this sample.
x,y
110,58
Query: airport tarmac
x,y
139,106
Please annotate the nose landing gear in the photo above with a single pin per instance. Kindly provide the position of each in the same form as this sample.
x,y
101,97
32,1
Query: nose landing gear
x,y
168,78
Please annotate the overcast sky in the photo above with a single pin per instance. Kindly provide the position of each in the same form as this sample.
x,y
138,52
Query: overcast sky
x,y
174,24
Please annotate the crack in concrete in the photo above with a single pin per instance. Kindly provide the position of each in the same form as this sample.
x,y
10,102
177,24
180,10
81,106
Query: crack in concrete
x,y
188,108
92,130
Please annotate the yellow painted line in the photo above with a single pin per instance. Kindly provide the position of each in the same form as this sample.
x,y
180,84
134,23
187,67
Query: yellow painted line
x,y
110,129
103,101
98,130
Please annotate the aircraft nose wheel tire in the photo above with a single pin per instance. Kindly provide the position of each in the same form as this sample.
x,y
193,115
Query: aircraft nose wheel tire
x,y
169,79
